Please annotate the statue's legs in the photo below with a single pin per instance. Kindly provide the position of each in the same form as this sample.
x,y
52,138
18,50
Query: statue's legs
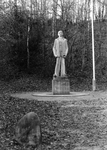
x,y
57,67
60,66
63,67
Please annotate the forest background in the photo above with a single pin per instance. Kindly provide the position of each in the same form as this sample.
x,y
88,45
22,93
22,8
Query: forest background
x,y
28,30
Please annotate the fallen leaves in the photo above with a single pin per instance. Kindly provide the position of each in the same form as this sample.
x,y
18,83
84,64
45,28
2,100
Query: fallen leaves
x,y
62,127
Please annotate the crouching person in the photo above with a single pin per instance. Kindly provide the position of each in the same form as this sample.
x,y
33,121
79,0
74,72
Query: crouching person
x,y
28,131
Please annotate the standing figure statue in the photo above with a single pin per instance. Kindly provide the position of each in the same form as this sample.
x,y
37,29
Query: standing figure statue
x,y
60,50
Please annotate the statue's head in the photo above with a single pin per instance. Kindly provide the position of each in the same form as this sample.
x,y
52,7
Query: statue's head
x,y
60,33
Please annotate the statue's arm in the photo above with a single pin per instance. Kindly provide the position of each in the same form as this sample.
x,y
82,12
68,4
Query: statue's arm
x,y
66,49
66,46
54,49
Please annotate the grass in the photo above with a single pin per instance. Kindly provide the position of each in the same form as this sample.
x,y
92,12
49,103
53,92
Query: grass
x,y
25,84
32,83
65,126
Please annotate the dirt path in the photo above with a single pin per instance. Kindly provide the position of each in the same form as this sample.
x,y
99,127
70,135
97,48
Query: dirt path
x,y
47,96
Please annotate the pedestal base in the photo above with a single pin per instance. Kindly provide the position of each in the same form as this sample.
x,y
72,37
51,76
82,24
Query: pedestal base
x,y
61,86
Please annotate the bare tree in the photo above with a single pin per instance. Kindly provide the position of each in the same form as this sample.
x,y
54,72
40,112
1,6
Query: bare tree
x,y
54,15
36,9
105,2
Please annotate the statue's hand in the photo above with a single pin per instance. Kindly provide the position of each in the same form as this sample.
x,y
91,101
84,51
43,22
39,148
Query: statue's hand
x,y
64,56
55,56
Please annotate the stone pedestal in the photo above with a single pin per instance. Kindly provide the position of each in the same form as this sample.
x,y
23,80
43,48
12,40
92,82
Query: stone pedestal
x,y
60,86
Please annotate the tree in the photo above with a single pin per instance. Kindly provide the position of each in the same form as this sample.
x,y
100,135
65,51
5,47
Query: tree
x,y
54,17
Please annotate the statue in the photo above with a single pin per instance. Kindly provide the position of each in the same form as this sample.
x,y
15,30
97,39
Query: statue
x,y
60,50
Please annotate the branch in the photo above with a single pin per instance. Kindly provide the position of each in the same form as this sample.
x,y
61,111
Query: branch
x,y
102,2
2,39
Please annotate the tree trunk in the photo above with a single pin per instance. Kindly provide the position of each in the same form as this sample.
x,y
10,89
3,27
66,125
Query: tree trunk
x,y
105,2
54,18
28,54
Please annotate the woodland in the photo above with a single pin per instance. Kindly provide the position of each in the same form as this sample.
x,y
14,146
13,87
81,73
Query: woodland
x,y
28,30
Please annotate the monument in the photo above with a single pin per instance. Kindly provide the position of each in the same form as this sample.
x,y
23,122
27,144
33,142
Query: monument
x,y
60,82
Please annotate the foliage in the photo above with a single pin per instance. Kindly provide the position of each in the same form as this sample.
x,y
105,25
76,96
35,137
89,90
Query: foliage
x,y
14,34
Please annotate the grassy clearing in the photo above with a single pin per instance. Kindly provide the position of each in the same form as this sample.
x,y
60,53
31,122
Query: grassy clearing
x,y
65,126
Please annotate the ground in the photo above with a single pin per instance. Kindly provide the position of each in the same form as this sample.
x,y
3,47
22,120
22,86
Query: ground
x,y
77,123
